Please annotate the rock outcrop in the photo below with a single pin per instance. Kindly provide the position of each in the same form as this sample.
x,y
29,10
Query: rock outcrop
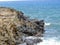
x,y
14,25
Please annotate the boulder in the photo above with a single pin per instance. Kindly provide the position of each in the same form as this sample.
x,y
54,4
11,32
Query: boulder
x,y
14,25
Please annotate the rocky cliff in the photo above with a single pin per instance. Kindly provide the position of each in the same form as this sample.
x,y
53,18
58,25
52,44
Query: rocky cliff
x,y
14,25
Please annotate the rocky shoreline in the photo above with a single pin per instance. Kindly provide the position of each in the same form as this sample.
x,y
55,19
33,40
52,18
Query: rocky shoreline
x,y
15,27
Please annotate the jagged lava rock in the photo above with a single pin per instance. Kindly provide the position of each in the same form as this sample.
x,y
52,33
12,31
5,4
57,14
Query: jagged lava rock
x,y
14,25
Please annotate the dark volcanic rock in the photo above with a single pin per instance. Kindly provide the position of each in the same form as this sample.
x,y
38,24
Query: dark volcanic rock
x,y
14,25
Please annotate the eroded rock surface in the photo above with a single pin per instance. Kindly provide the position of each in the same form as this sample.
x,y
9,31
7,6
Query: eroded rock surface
x,y
14,25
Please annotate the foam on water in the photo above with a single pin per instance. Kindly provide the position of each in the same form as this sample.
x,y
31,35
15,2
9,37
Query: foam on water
x,y
50,41
47,24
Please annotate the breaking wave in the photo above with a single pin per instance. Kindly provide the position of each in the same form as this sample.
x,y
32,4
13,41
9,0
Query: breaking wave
x,y
50,41
47,24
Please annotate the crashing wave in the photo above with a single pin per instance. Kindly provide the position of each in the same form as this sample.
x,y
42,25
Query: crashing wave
x,y
47,24
50,41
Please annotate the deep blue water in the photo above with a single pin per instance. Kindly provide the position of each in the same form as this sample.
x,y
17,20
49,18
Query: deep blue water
x,y
49,12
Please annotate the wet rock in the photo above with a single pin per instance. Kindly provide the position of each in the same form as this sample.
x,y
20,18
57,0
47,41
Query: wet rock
x,y
31,40
14,25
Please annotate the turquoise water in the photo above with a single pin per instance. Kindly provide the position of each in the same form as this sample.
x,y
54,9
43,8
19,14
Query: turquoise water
x,y
49,12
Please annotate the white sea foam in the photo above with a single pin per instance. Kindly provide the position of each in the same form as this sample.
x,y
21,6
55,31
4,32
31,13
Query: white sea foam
x,y
47,24
50,41
33,37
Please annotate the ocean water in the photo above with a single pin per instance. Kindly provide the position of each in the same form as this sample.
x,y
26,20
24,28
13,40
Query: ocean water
x,y
48,11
